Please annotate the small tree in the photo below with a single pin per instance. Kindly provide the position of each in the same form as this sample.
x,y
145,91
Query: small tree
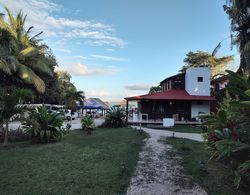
x,y
88,124
155,89
218,65
9,108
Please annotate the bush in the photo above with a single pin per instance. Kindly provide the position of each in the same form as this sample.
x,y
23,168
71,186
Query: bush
x,y
115,118
14,135
44,127
87,124
228,135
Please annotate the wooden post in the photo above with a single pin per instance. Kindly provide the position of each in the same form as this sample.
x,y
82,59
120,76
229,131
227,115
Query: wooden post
x,y
127,111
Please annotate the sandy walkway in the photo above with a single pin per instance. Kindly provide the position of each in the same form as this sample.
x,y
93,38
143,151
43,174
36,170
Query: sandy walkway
x,y
158,171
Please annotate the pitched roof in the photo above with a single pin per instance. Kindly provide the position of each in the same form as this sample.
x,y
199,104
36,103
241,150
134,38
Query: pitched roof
x,y
175,94
94,103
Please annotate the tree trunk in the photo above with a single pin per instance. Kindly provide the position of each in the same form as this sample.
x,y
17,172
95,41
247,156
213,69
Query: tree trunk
x,y
6,134
244,63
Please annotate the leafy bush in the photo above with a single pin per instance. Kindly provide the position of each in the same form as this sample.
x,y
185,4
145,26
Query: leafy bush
x,y
115,118
228,136
88,124
44,127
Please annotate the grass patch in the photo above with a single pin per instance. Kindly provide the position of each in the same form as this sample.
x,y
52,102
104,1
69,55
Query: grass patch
x,y
214,177
101,163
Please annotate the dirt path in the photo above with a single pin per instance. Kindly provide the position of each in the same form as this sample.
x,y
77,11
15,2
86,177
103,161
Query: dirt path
x,y
158,171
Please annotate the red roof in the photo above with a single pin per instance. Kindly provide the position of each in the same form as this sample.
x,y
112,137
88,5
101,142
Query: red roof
x,y
175,94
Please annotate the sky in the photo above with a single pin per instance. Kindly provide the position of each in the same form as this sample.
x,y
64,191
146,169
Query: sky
x,y
119,48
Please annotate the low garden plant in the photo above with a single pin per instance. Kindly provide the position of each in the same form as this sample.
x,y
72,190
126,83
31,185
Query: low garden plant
x,y
44,127
115,118
88,124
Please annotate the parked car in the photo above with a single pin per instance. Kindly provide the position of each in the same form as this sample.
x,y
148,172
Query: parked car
x,y
68,116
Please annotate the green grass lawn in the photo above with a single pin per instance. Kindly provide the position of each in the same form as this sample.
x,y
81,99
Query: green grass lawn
x,y
214,178
78,164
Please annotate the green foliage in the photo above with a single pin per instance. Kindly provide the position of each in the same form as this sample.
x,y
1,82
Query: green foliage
x,y
9,108
44,127
228,138
87,124
115,118
217,64
155,89
22,56
239,15
213,176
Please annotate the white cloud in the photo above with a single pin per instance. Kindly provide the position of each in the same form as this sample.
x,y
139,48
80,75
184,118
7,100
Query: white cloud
x,y
39,14
108,58
79,69
138,86
63,50
98,93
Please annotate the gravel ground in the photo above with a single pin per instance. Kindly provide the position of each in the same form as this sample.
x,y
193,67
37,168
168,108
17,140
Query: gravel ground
x,y
158,171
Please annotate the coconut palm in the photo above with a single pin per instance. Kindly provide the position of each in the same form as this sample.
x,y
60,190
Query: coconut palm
x,y
21,55
239,14
72,97
9,108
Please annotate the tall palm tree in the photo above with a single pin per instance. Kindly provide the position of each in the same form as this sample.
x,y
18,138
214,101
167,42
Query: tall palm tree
x,y
239,14
20,54
9,109
71,99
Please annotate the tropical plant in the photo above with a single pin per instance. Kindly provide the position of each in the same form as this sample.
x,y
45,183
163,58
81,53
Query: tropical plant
x,y
87,124
71,98
228,136
115,118
44,127
9,108
21,56
239,14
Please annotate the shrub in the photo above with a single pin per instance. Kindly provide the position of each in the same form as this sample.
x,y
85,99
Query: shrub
x,y
44,127
228,135
115,118
88,124
14,135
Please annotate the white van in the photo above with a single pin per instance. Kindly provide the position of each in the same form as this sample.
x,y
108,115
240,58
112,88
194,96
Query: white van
x,y
53,108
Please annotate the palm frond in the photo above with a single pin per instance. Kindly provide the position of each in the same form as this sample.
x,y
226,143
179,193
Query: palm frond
x,y
27,51
28,76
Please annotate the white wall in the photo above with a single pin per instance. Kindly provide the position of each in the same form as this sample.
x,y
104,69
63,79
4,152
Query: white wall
x,y
196,108
192,86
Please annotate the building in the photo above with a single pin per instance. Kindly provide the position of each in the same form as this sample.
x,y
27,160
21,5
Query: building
x,y
184,97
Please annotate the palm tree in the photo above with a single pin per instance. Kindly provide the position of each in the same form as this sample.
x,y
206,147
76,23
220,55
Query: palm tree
x,y
239,14
20,55
9,108
71,99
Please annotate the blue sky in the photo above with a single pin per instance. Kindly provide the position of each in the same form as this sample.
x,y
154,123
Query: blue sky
x,y
119,48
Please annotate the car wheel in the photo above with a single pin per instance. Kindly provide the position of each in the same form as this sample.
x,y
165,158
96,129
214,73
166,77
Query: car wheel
x,y
68,118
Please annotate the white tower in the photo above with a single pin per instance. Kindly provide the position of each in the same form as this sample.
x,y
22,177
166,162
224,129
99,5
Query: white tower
x,y
197,81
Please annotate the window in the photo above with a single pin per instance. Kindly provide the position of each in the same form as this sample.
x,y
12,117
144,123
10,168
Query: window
x,y
200,79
